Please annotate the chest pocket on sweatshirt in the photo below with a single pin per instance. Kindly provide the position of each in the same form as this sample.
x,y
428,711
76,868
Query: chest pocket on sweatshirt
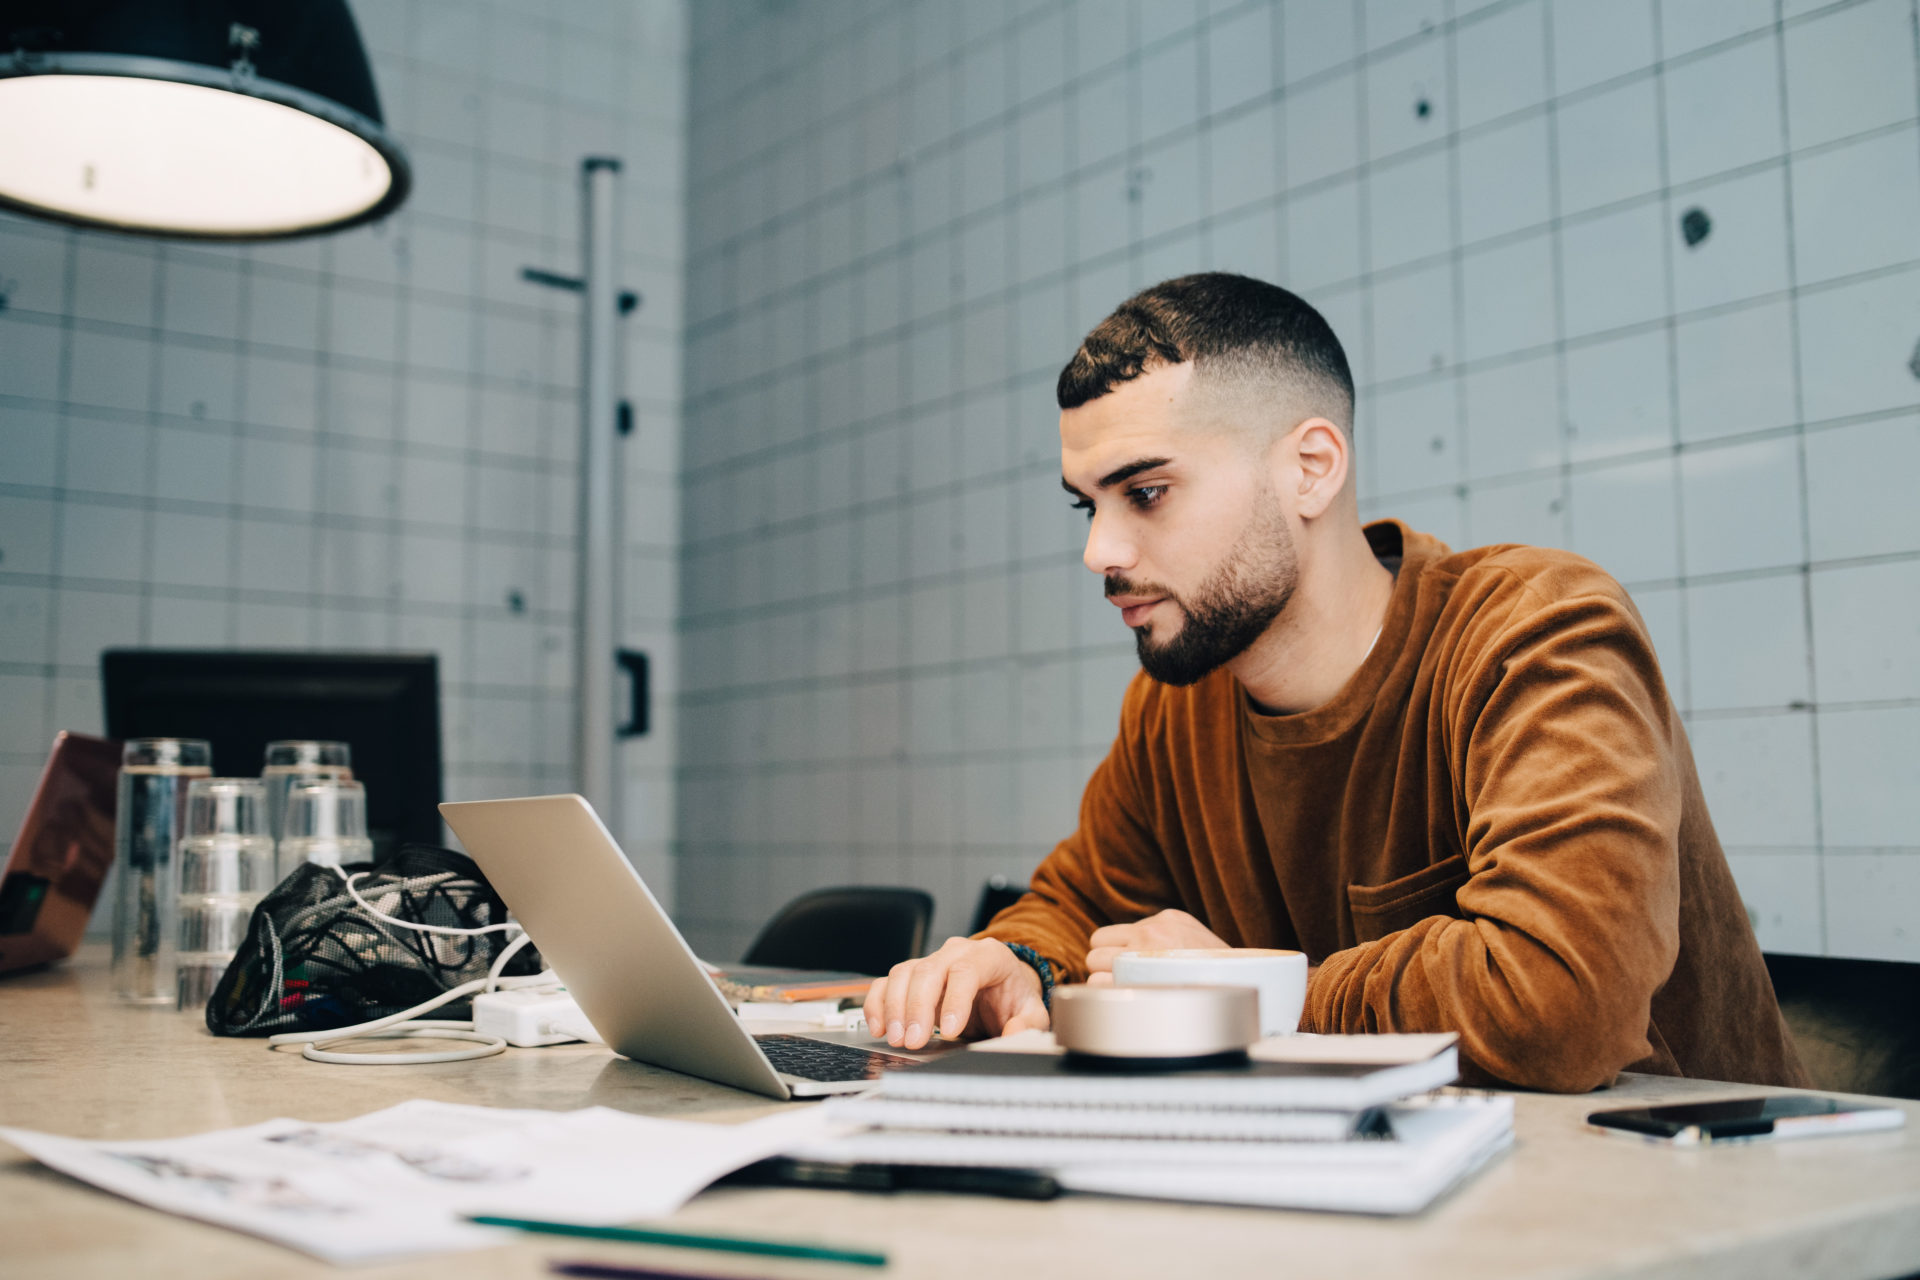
x,y
1381,909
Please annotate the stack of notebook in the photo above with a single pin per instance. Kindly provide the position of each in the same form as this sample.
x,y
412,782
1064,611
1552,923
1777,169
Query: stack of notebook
x,y
1313,1122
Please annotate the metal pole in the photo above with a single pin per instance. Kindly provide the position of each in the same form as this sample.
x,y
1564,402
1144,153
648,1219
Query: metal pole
x,y
599,595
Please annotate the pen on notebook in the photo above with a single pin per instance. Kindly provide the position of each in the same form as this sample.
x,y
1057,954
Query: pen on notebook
x,y
685,1240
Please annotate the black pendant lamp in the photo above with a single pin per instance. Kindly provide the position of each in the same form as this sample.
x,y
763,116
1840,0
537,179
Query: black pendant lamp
x,y
203,119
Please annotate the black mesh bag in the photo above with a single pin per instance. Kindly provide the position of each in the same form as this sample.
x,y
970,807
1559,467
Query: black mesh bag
x,y
314,959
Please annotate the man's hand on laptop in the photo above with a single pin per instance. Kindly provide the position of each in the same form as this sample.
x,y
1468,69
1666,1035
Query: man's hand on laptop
x,y
1169,930
974,986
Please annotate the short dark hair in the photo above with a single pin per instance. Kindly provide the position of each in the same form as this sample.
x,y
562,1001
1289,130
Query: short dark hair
x,y
1211,316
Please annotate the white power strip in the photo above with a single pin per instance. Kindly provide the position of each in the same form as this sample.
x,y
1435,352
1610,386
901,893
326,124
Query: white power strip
x,y
527,1019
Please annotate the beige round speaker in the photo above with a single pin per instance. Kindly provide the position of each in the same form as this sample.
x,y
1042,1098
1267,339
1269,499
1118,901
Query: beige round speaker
x,y
1155,1022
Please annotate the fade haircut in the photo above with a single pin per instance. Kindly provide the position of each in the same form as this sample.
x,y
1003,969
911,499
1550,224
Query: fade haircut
x,y
1245,329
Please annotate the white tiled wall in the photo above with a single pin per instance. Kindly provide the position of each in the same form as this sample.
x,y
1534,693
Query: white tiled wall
x,y
365,440
903,216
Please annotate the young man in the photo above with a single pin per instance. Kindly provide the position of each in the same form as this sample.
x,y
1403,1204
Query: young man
x,y
1455,780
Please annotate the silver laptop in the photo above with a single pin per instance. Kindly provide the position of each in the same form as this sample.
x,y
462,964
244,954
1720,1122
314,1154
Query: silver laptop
x,y
633,975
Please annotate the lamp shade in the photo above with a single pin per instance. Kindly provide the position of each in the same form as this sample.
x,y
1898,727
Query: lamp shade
x,y
203,119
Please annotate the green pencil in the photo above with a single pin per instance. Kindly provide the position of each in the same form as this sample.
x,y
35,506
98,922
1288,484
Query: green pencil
x,y
684,1240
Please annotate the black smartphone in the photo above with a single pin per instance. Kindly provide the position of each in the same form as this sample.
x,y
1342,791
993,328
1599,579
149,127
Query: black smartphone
x,y
1787,1115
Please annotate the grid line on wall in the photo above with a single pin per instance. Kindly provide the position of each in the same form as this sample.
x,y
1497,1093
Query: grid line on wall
x,y
803,631
392,462
1800,456
1075,171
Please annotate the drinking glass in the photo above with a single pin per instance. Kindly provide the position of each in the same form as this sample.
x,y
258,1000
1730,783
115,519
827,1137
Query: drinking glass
x,y
226,867
326,824
154,774
290,763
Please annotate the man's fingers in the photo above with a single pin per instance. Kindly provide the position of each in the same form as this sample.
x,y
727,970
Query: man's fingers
x,y
893,1010
956,1006
1100,959
1117,936
1169,929
929,979
874,1009
1100,979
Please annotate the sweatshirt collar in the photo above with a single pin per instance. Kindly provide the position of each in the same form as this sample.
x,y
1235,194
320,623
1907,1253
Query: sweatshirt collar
x,y
1417,551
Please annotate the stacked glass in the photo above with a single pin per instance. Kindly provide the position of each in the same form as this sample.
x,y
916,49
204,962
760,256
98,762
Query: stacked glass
x,y
292,763
326,824
226,867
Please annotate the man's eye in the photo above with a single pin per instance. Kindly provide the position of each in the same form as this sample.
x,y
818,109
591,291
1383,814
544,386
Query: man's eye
x,y
1146,495
1086,505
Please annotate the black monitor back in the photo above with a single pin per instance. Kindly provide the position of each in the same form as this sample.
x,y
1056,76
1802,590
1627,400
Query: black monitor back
x,y
385,706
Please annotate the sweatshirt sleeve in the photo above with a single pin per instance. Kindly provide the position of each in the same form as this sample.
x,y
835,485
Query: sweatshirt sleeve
x,y
1112,868
1564,764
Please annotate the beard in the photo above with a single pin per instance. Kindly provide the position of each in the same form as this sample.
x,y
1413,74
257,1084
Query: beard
x,y
1231,609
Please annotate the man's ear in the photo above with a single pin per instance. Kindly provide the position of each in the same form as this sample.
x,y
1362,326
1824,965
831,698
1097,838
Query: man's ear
x,y
1321,460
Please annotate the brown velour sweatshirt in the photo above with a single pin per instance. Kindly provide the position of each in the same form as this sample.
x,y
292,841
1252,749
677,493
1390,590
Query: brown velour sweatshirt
x,y
1494,828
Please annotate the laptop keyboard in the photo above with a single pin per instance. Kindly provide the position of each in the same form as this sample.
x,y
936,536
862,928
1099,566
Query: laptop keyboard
x,y
824,1061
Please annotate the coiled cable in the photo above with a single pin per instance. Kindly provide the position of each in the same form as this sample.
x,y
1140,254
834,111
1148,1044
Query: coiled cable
x,y
319,1046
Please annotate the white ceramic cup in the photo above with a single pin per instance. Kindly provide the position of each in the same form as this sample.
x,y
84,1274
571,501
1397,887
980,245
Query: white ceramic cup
x,y
1279,976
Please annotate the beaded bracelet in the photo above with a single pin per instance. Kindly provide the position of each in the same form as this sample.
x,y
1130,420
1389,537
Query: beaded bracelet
x,y
1040,966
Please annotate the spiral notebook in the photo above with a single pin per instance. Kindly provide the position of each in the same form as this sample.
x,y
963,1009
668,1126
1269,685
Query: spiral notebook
x,y
1430,1144
1204,1123
1064,1080
1438,1143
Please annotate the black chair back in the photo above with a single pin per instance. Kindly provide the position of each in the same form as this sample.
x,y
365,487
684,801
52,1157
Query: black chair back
x,y
996,895
854,929
1856,1022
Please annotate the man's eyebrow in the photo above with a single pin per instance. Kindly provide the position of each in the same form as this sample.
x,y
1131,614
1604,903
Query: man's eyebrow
x,y
1118,475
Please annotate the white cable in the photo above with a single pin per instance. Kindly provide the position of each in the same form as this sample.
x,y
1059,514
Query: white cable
x,y
378,1024
427,1030
418,882
507,953
316,1046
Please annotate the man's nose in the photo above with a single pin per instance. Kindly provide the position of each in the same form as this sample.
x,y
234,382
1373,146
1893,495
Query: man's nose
x,y
1108,549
